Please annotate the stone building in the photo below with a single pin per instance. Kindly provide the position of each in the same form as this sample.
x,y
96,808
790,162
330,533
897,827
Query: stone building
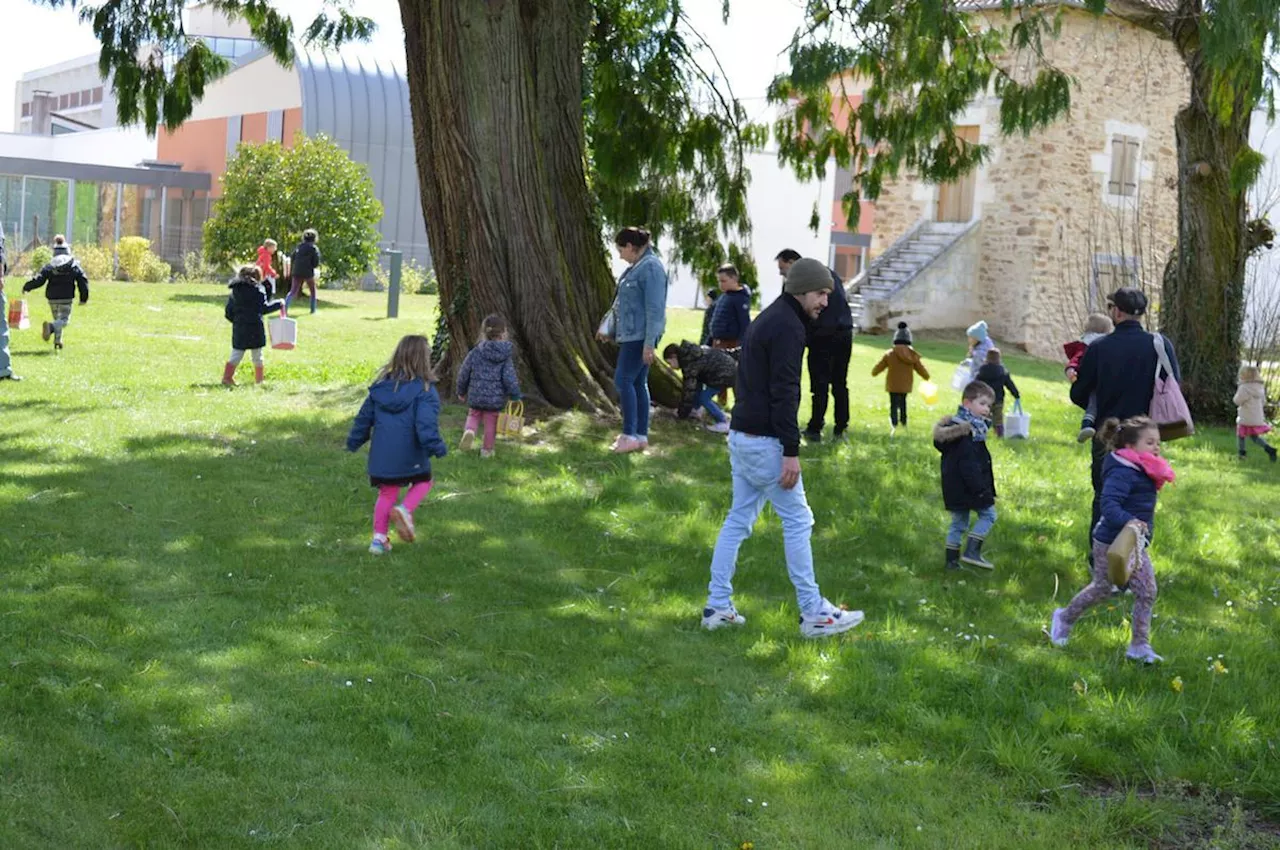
x,y
1035,238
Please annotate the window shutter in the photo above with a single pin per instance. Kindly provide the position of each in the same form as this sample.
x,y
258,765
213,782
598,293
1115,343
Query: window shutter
x,y
1131,148
1115,183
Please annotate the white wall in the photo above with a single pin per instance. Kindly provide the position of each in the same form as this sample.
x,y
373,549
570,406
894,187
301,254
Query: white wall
x,y
780,208
1264,198
262,85
116,146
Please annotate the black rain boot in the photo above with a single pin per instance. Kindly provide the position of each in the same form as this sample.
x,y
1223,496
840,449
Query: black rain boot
x,y
953,557
1271,453
973,554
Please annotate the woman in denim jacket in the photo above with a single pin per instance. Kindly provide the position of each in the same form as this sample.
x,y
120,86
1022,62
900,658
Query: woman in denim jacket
x,y
641,309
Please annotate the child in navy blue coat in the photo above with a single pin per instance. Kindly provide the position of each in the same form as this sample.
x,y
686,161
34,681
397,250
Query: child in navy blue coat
x,y
402,413
486,380
1132,475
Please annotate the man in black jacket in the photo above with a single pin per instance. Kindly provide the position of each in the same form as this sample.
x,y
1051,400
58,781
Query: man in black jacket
x,y
830,341
764,449
1120,369
6,366
61,278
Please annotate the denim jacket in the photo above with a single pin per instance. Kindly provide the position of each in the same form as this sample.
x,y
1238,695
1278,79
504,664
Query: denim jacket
x,y
642,301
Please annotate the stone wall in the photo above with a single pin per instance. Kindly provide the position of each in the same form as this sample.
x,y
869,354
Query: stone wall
x,y
943,295
1043,200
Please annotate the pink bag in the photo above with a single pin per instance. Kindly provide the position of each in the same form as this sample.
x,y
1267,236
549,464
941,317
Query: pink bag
x,y
1168,408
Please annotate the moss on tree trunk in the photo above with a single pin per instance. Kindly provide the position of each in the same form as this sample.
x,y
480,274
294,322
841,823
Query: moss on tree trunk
x,y
496,92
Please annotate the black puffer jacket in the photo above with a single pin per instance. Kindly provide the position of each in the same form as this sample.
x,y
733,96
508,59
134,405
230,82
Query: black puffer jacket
x,y
246,306
968,483
62,277
702,366
305,261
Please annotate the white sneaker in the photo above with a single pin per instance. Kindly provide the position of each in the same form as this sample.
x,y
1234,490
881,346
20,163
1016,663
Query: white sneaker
x,y
468,440
718,427
1143,653
1058,630
403,523
715,618
828,620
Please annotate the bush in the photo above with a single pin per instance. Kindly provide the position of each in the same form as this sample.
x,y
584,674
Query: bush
x,y
195,269
414,279
96,261
138,263
38,259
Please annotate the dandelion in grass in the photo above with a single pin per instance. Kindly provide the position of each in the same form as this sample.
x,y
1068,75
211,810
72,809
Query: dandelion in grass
x,y
1218,668
1176,684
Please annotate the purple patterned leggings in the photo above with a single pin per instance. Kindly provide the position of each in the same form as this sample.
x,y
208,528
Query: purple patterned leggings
x,y
1142,582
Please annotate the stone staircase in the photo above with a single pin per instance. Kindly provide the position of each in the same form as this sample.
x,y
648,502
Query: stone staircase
x,y
909,256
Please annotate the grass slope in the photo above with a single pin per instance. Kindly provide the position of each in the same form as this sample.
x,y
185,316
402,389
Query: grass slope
x,y
200,653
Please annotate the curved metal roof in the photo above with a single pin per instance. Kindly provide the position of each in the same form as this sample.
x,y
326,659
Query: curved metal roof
x,y
362,102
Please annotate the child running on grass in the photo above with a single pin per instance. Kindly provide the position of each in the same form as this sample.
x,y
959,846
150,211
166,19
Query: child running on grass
x,y
994,374
968,484
266,258
486,380
1132,476
402,413
248,302
1251,419
902,362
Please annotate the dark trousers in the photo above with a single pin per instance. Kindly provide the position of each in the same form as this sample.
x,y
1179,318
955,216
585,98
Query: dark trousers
x,y
898,408
1099,455
829,372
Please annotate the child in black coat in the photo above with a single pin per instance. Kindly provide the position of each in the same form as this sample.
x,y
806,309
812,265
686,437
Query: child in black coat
x,y
968,483
995,375
246,306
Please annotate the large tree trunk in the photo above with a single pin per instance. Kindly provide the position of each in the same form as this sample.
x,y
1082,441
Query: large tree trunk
x,y
1203,302
495,87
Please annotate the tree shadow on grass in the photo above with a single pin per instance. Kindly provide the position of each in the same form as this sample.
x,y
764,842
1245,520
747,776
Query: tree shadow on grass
x,y
206,627
220,299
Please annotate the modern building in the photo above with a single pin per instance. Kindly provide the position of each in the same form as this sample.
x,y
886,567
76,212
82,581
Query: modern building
x,y
360,102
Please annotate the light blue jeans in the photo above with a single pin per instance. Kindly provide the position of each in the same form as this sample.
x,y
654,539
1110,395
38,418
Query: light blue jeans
x,y
757,468
5,365
706,398
960,524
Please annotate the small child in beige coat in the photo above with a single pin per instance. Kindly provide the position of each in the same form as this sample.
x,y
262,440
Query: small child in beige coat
x,y
1251,421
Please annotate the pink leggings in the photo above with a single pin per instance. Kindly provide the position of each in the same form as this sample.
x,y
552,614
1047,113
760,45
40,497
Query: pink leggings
x,y
387,495
490,418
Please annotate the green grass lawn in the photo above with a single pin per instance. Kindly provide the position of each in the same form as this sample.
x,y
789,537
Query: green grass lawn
x,y
199,652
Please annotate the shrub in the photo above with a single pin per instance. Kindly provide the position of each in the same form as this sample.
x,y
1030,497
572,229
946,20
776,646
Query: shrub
x,y
196,269
414,279
39,258
96,261
138,263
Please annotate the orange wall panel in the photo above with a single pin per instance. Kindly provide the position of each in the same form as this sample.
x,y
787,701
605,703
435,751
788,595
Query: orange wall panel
x,y
253,127
292,124
198,145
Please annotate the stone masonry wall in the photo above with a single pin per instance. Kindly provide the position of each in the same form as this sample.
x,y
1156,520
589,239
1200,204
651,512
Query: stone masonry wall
x,y
1043,200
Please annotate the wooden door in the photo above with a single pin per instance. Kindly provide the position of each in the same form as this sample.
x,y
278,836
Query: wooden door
x,y
955,200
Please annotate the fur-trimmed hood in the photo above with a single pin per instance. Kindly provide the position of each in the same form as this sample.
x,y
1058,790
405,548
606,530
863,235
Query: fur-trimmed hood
x,y
946,430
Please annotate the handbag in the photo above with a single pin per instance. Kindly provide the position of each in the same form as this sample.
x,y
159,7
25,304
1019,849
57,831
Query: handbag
x,y
1168,407
962,375
511,420
19,318
1122,552
1017,423
284,332
609,324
